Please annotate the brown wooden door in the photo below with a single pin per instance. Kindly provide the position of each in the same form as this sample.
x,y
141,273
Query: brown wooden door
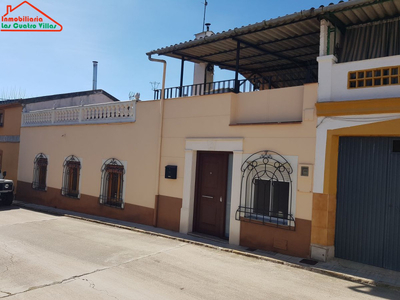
x,y
211,185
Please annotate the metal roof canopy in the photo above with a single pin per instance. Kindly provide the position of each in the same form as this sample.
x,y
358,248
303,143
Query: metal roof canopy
x,y
285,48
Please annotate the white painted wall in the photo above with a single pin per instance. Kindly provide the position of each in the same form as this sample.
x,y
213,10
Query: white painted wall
x,y
330,123
333,79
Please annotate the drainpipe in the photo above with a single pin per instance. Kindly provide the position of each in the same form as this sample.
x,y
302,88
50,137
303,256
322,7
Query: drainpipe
x,y
160,135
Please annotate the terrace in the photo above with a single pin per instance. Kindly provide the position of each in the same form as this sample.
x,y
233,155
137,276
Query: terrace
x,y
282,52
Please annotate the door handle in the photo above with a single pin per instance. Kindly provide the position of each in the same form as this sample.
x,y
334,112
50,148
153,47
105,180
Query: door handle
x,y
209,197
220,199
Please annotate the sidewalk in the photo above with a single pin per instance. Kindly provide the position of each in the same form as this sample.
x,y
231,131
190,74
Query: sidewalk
x,y
339,268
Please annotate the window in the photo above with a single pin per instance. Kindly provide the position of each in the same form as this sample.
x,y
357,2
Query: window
x,y
40,172
112,183
71,176
266,190
1,118
271,198
373,77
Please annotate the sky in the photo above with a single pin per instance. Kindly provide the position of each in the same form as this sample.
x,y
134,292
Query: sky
x,y
118,34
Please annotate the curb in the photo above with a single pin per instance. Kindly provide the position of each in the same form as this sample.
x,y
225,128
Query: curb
x,y
334,274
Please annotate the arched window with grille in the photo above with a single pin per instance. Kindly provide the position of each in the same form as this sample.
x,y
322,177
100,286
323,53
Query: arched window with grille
x,y
71,176
40,172
266,190
112,183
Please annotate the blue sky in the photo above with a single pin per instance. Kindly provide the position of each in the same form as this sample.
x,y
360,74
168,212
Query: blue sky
x,y
118,34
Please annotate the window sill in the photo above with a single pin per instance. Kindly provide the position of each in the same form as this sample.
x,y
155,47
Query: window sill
x,y
71,197
281,224
113,206
267,219
40,189
266,123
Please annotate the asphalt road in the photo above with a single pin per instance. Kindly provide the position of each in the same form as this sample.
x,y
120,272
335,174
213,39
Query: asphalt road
x,y
50,257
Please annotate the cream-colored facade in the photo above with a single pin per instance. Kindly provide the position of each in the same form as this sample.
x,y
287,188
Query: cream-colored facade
x,y
12,117
133,143
254,119
9,140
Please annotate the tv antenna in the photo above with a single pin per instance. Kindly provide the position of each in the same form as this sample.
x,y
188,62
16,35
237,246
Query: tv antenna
x,y
205,9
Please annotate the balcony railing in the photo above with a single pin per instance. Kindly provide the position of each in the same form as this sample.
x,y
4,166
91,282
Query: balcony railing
x,y
243,86
216,87
114,112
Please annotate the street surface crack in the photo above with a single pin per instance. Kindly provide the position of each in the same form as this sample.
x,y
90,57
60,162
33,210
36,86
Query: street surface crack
x,y
72,278
93,286
11,258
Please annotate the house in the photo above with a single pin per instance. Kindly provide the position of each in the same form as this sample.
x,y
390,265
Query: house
x,y
11,114
295,154
356,203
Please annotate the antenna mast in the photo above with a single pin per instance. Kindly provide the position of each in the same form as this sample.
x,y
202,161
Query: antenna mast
x,y
204,18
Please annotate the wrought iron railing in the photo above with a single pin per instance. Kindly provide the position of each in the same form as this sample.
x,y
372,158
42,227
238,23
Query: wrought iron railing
x,y
243,85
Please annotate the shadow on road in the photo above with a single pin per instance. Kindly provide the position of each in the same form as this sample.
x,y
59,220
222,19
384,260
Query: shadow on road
x,y
378,292
8,207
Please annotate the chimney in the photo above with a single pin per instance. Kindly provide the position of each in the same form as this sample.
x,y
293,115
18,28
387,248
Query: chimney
x,y
95,75
203,72
8,9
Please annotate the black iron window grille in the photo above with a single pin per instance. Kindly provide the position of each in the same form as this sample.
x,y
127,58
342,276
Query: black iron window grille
x,y
266,190
112,183
40,172
71,176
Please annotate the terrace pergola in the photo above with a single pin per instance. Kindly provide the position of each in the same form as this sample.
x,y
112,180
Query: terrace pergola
x,y
275,53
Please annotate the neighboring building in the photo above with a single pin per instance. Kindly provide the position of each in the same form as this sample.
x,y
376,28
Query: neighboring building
x,y
356,181
10,121
10,124
235,159
98,159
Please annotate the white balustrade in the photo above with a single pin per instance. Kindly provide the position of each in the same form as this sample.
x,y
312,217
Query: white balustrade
x,y
115,112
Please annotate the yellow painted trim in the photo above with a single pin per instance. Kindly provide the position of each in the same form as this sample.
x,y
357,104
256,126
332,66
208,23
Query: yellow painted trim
x,y
358,107
324,205
387,128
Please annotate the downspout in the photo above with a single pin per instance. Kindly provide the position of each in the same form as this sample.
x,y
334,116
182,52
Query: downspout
x,y
160,137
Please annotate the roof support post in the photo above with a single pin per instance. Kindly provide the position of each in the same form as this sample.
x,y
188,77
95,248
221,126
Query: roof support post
x,y
181,82
237,68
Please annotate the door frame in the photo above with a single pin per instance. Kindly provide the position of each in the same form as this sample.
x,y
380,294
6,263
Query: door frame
x,y
234,145
197,187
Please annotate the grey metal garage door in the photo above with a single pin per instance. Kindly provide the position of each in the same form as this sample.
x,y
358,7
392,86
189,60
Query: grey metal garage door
x,y
368,201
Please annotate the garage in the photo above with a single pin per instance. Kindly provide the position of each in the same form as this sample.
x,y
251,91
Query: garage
x,y
368,201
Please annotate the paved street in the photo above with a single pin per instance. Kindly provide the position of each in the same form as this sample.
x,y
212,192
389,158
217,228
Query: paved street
x,y
50,257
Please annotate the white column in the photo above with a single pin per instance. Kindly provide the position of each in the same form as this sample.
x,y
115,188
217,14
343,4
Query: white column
x,y
234,229
186,223
325,67
319,166
323,38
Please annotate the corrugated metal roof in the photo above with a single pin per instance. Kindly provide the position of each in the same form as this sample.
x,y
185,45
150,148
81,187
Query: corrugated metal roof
x,y
288,44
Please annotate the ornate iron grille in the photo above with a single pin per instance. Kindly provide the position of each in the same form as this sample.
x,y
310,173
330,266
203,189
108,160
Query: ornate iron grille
x,y
71,175
112,183
40,172
266,190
